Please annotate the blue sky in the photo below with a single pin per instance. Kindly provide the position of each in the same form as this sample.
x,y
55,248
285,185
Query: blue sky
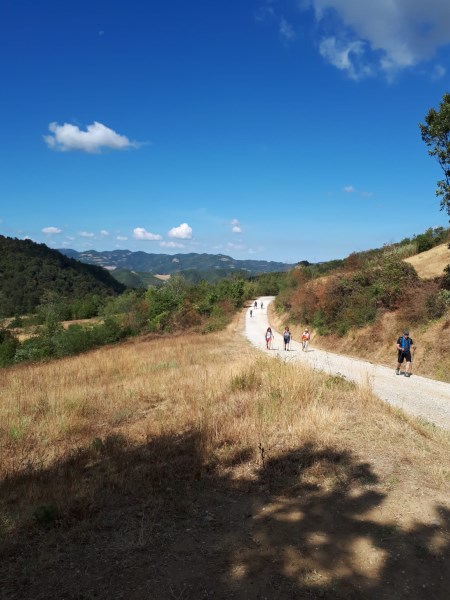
x,y
272,129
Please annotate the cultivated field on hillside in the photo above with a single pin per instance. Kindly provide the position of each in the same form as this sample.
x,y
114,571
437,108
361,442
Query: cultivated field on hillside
x,y
432,262
194,467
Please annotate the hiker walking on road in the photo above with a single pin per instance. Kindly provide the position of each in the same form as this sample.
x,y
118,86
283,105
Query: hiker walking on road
x,y
305,340
256,304
269,338
262,305
287,338
404,346
251,313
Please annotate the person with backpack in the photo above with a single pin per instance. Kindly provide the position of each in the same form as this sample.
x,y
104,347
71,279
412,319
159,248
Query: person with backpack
x,y
404,346
286,338
269,338
306,336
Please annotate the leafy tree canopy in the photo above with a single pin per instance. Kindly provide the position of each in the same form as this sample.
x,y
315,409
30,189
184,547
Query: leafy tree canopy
x,y
436,135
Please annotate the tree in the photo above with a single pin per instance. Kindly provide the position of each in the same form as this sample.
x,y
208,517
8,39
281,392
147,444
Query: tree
x,y
436,135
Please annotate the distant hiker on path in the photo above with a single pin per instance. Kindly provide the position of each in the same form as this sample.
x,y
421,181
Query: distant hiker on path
x,y
251,313
287,338
404,345
262,305
269,338
256,304
305,340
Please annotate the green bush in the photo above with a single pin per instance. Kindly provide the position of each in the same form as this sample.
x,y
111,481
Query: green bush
x,y
8,347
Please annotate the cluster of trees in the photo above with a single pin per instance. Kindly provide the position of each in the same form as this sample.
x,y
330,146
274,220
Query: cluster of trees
x,y
176,306
29,270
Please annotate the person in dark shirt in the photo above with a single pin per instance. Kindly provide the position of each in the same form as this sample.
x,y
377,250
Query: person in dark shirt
x,y
404,347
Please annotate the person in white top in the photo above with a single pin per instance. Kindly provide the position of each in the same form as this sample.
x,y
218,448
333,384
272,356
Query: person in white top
x,y
306,336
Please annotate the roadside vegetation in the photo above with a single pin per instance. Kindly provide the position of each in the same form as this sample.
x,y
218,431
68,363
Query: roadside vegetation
x,y
176,306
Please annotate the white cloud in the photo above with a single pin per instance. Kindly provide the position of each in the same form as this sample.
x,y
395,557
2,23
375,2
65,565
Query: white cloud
x,y
171,245
345,56
121,238
366,194
393,34
97,136
86,234
349,189
286,30
139,233
236,226
51,230
104,232
183,232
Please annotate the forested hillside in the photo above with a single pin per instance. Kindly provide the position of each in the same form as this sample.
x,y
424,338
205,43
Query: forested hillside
x,y
28,271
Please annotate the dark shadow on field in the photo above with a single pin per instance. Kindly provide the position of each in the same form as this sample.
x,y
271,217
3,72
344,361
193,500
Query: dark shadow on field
x,y
159,522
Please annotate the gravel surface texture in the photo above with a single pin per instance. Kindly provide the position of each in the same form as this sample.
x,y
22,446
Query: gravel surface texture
x,y
415,395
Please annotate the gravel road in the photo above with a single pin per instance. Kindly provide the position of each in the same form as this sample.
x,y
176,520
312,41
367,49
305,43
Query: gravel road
x,y
417,395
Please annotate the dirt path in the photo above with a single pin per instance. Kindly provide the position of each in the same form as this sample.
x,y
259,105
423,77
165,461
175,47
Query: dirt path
x,y
417,395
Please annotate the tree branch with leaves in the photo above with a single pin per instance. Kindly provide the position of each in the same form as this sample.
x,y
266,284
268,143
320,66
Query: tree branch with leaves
x,y
436,135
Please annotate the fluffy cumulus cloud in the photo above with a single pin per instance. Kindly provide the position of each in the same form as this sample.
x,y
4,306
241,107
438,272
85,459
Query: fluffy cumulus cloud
x,y
139,233
121,238
349,189
182,232
104,232
51,230
386,35
96,137
86,234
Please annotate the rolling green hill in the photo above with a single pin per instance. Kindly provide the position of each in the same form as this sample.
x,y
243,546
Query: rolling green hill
x,y
28,271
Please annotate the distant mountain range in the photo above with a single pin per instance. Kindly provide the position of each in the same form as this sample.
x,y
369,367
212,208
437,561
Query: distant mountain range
x,y
167,264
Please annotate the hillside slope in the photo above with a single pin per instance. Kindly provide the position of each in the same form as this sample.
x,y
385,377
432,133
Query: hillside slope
x,y
29,270
431,263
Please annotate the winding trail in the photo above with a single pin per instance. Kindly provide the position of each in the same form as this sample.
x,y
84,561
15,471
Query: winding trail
x,y
417,395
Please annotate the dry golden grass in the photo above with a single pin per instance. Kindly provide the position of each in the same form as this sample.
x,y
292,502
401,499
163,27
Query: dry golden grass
x,y
432,262
195,463
233,398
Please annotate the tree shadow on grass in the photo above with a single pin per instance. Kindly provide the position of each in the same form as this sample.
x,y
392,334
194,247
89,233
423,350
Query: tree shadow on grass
x,y
157,521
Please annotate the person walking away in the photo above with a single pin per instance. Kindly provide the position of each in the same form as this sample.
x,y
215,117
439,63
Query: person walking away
x,y
269,338
251,313
305,340
286,338
404,346
262,305
256,304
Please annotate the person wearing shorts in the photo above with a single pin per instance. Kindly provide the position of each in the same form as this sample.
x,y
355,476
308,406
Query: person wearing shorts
x,y
269,338
404,346
305,340
286,338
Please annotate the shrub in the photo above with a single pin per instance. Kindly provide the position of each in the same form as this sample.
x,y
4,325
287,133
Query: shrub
x,y
8,347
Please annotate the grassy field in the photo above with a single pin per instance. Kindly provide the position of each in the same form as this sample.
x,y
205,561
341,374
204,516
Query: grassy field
x,y
432,262
196,467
